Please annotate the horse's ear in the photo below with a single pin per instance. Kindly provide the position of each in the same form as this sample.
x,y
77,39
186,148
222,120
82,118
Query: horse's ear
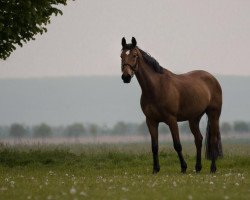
x,y
124,42
134,43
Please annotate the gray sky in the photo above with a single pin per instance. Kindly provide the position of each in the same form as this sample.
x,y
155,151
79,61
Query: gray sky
x,y
182,35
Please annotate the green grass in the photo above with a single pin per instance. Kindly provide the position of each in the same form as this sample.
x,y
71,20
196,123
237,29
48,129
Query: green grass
x,y
119,172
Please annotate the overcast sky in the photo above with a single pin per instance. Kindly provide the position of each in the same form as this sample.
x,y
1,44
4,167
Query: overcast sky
x,y
182,35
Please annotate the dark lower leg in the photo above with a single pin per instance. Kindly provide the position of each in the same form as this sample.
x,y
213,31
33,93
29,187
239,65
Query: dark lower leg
x,y
213,158
198,166
153,129
177,145
156,166
194,127
178,149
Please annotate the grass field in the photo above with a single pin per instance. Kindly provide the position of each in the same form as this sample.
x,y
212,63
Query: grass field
x,y
119,171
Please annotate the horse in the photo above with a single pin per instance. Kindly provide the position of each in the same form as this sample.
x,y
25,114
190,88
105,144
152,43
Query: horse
x,y
170,98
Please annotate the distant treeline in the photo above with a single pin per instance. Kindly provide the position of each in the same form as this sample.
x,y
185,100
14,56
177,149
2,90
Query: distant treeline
x,y
17,130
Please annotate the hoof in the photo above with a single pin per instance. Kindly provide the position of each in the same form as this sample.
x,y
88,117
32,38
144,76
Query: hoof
x,y
198,168
184,168
156,170
213,169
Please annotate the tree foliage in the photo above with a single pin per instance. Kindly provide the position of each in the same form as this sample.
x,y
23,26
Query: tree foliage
x,y
226,127
143,128
75,130
17,130
120,128
241,126
42,130
93,128
21,20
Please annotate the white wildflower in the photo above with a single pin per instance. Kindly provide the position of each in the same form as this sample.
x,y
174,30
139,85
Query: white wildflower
x,y
211,182
237,184
125,189
3,188
83,193
72,190
190,197
174,184
49,197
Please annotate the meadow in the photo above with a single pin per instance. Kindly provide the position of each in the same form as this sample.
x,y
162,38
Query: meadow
x,y
119,171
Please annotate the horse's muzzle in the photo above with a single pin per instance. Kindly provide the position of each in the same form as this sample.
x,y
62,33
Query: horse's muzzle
x,y
127,78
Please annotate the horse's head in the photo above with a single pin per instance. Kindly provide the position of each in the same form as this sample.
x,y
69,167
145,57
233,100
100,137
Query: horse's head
x,y
129,59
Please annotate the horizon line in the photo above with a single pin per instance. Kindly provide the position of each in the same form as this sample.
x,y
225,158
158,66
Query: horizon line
x,y
97,76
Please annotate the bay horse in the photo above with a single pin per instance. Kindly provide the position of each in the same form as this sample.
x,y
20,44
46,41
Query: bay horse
x,y
170,98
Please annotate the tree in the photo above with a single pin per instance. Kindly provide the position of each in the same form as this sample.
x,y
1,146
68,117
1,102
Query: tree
x,y
17,130
75,130
241,126
21,20
42,130
93,129
120,128
225,127
143,129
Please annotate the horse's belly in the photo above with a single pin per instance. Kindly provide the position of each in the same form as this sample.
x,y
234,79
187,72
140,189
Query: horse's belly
x,y
191,111
188,116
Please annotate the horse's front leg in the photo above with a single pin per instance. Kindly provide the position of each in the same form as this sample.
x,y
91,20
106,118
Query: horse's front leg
x,y
172,123
153,129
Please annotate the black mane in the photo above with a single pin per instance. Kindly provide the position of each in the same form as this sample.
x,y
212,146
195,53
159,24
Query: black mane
x,y
147,58
152,62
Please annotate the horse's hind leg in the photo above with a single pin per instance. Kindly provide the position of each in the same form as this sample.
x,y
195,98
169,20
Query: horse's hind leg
x,y
177,145
194,127
153,129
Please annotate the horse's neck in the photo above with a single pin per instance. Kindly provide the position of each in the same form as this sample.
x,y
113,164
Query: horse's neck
x,y
147,78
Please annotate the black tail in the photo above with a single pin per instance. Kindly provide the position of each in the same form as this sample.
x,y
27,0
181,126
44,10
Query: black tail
x,y
213,152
